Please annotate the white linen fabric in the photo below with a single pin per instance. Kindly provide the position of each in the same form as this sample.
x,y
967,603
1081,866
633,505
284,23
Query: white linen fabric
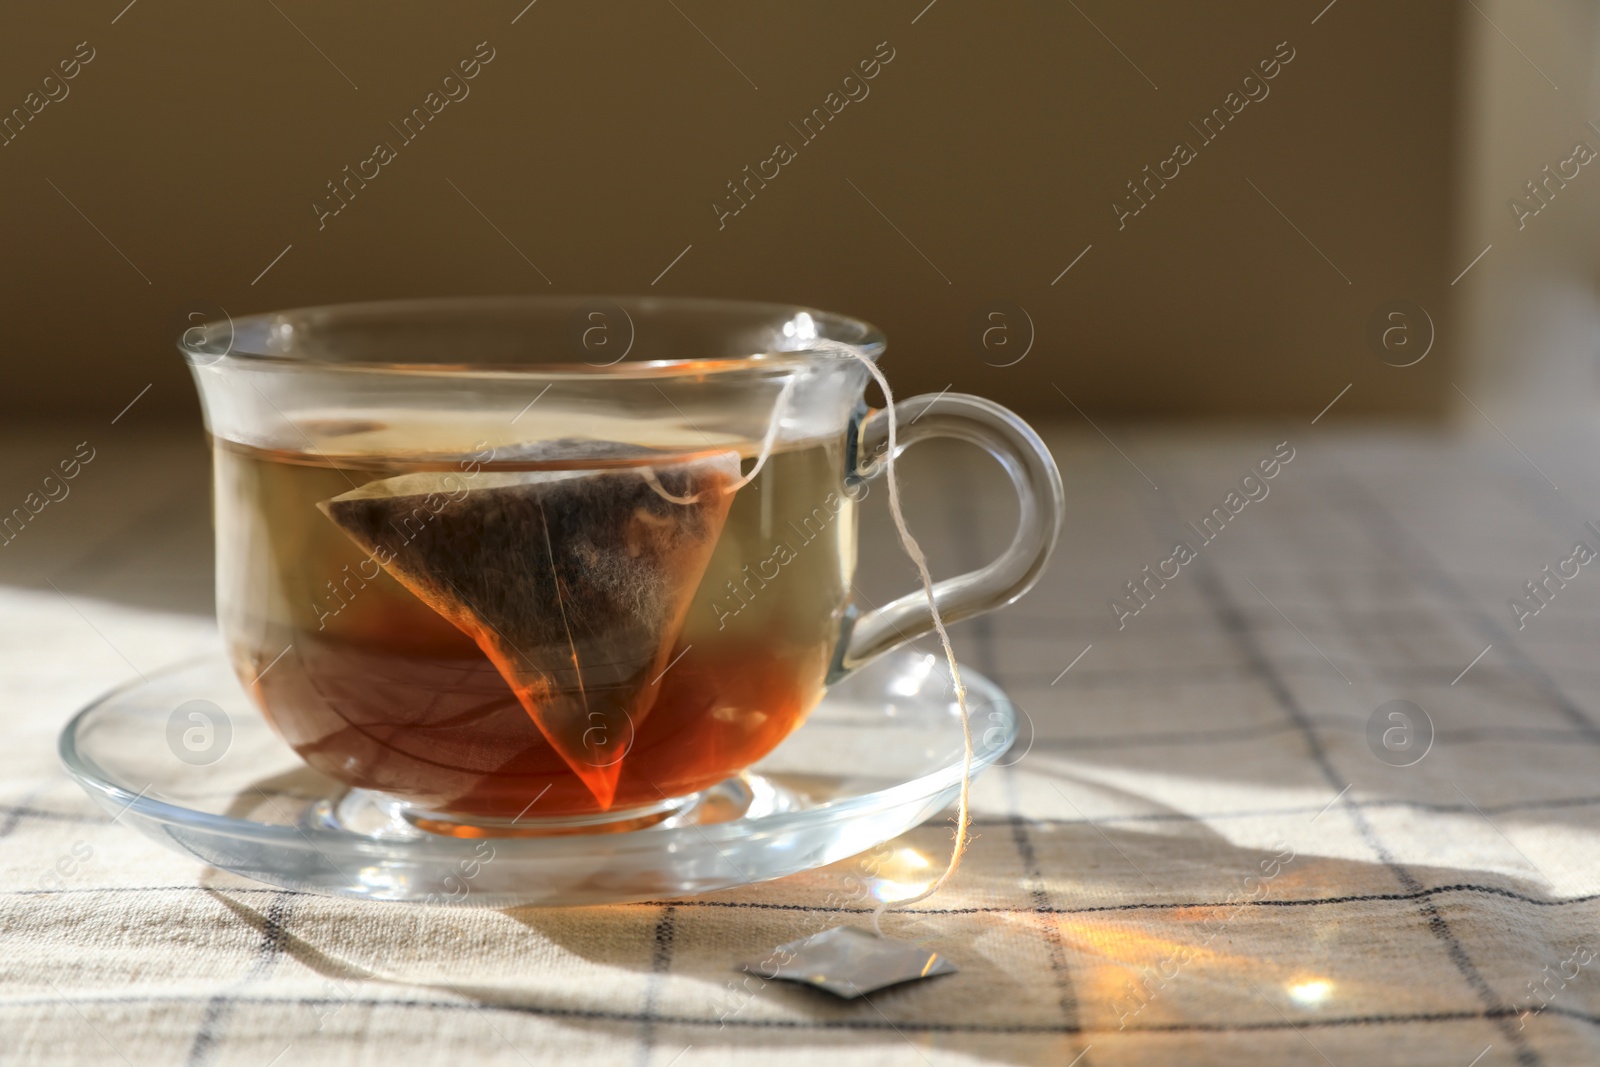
x,y
1196,855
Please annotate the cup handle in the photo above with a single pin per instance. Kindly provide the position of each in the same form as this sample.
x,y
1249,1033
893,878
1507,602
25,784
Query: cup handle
x,y
1033,473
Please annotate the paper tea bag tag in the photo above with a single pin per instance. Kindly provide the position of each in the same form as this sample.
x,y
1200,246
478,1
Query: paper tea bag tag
x,y
575,584
850,962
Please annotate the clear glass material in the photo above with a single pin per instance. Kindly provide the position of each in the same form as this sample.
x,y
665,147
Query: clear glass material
x,y
565,563
881,754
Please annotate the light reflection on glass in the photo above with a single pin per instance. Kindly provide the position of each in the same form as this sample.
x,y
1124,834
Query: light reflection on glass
x,y
802,327
898,877
910,683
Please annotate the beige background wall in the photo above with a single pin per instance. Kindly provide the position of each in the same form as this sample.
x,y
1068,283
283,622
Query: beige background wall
x,y
994,142
1529,316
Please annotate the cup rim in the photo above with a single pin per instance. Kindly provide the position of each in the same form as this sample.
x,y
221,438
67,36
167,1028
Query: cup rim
x,y
221,343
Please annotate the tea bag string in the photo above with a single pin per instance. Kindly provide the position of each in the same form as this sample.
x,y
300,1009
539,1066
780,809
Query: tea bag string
x,y
963,810
774,425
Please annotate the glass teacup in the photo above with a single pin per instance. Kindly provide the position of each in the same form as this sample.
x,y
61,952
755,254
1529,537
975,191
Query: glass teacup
x,y
514,560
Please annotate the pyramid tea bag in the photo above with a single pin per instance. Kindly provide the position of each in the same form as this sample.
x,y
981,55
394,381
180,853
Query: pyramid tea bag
x,y
574,583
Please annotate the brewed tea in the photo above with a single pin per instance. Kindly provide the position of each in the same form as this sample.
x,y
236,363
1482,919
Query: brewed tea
x,y
586,631
574,583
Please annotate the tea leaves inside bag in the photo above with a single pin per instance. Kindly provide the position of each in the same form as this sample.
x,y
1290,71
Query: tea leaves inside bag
x,y
574,583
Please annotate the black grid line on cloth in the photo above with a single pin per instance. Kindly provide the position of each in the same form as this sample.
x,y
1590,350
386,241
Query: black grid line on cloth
x,y
1289,663
213,1021
1042,907
124,541
1223,734
864,1022
1550,506
1180,905
1390,535
1202,735
756,905
1401,803
1381,804
14,816
1234,624
660,965
969,556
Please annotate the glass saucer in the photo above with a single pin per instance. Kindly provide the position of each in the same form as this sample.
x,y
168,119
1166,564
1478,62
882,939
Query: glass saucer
x,y
186,759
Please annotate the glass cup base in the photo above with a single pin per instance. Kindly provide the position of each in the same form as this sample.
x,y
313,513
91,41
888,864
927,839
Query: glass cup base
x,y
881,754
374,814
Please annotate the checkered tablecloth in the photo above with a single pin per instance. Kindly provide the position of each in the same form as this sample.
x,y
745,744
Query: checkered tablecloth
x,y
1196,855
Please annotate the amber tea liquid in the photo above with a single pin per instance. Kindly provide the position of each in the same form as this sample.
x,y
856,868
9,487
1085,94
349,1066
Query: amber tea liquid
x,y
375,687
